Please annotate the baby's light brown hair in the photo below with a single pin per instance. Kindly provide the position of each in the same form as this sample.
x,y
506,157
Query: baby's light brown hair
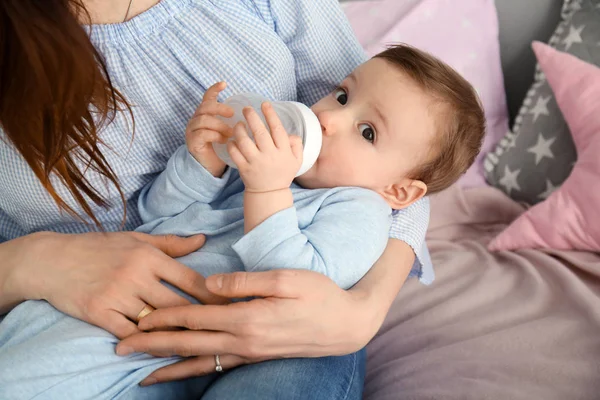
x,y
460,121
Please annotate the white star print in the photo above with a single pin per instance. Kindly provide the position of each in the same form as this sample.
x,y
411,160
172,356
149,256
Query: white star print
x,y
512,143
573,37
509,180
541,107
542,148
549,189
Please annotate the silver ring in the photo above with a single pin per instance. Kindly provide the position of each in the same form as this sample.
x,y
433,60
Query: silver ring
x,y
218,366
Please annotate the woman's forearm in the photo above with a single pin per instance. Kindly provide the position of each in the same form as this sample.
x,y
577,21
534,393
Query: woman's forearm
x,y
9,295
383,281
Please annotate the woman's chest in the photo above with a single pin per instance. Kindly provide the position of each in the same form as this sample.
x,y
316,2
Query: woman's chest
x,y
163,77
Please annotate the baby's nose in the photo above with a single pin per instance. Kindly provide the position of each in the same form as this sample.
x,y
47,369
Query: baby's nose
x,y
328,123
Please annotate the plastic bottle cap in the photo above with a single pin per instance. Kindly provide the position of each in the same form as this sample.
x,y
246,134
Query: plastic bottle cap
x,y
313,137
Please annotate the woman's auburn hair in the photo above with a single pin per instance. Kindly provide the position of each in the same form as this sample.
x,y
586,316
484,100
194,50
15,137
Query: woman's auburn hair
x,y
55,97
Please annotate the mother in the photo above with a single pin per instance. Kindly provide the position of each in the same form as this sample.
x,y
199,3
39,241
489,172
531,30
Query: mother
x,y
89,116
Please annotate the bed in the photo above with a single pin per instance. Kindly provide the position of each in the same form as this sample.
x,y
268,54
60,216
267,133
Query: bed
x,y
521,324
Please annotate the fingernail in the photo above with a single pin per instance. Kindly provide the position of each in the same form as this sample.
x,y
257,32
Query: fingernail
x,y
148,381
124,350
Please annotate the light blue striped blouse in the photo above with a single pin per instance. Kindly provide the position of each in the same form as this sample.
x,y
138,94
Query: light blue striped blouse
x,y
162,61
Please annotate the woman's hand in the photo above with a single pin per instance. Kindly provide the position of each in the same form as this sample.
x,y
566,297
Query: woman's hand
x,y
300,314
105,279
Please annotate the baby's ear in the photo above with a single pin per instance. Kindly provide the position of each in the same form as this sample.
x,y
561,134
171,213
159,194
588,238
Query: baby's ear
x,y
402,195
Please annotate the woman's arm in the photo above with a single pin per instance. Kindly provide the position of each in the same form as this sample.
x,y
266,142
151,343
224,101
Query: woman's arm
x,y
10,296
301,314
383,282
99,278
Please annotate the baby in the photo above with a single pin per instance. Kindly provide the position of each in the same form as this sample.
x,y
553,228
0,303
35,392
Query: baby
x,y
401,125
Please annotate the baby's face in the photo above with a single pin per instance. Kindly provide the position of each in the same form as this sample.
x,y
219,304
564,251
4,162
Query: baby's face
x,y
377,127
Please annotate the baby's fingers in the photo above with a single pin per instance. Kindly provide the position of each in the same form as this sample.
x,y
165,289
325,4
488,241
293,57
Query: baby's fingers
x,y
243,142
211,123
236,155
297,148
210,104
262,136
212,92
215,108
280,136
204,136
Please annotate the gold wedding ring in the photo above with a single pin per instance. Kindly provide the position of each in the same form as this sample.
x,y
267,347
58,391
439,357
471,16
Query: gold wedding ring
x,y
145,311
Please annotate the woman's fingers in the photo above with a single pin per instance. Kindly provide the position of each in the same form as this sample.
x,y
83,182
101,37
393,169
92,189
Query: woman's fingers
x,y
195,317
132,306
197,366
159,296
274,283
171,245
176,273
117,324
261,134
176,343
188,280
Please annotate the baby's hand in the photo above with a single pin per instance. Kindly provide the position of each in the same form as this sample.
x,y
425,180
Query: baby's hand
x,y
205,128
272,162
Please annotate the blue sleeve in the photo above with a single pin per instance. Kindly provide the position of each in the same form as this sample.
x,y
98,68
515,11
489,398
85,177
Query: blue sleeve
x,y
184,182
347,235
321,40
410,226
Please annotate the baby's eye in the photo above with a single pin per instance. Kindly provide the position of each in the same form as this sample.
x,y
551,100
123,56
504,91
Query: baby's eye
x,y
367,132
341,96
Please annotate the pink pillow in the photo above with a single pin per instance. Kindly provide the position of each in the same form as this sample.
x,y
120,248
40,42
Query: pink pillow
x,y
570,218
462,33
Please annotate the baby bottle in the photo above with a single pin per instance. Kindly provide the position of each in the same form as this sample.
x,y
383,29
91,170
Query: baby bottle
x,y
297,119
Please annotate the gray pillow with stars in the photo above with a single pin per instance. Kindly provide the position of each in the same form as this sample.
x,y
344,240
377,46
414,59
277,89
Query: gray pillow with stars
x,y
534,159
